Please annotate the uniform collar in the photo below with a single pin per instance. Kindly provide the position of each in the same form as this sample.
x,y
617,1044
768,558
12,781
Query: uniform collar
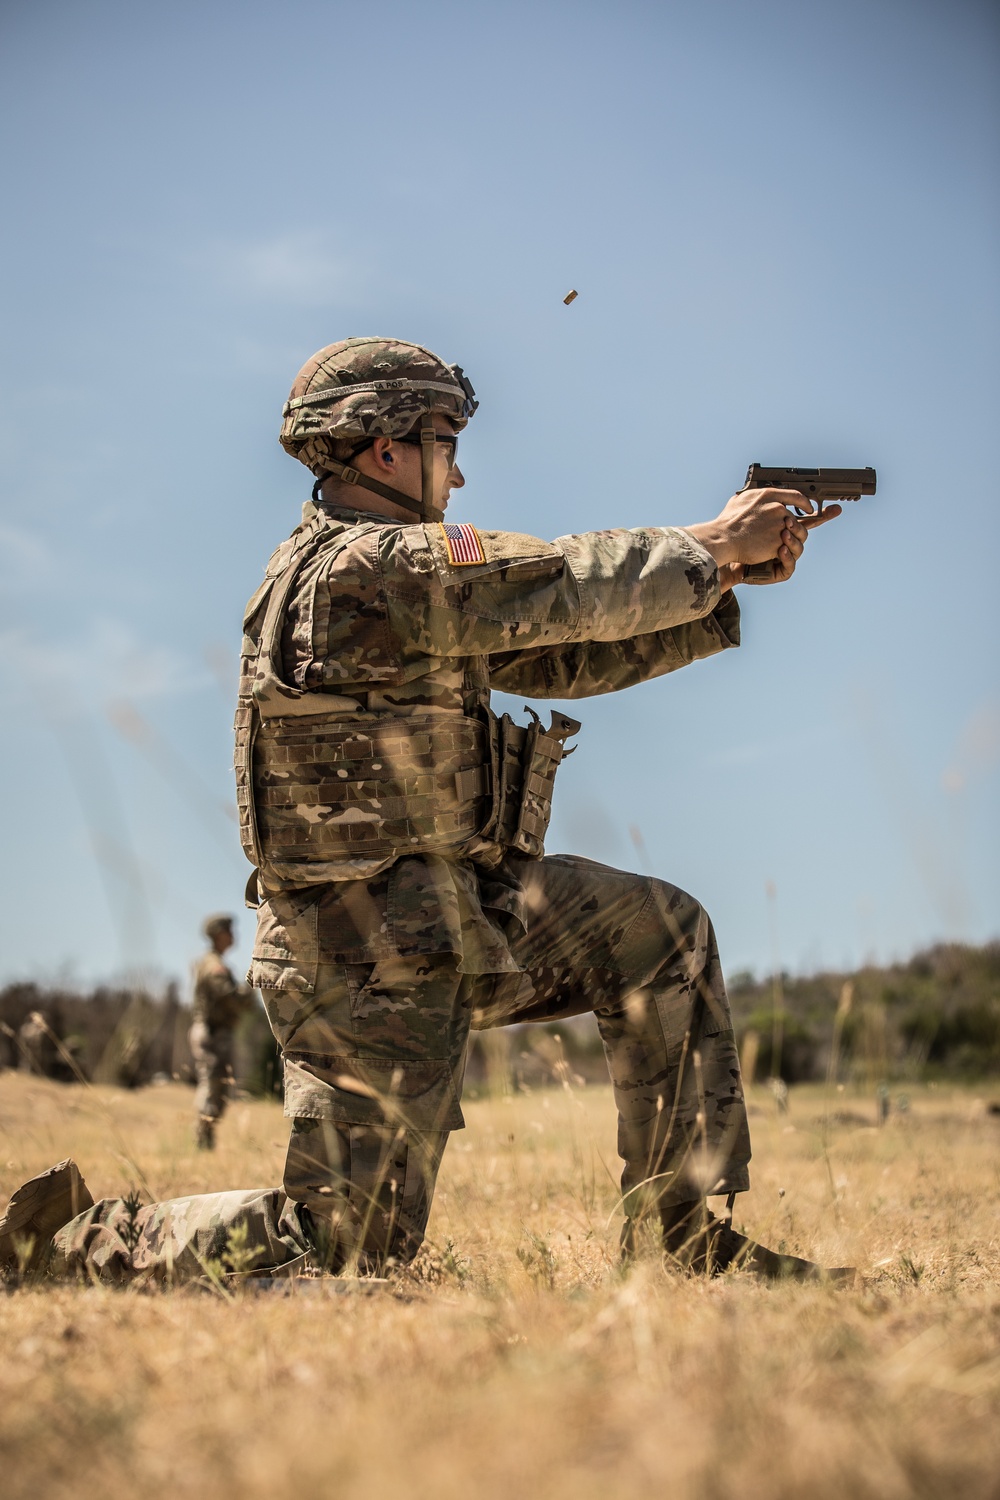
x,y
311,510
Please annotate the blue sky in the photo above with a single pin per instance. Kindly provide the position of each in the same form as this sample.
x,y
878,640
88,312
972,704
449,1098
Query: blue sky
x,y
782,221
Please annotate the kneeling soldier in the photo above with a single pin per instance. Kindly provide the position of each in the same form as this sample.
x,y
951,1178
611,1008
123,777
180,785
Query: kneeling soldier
x,y
396,826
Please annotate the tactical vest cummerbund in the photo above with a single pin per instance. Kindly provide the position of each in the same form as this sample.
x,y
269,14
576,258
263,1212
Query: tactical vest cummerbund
x,y
328,792
325,791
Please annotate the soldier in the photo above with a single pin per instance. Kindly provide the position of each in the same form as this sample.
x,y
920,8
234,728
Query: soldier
x,y
219,1001
396,829
396,825
35,1046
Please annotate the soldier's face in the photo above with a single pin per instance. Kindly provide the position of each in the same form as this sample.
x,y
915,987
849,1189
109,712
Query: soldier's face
x,y
405,458
399,463
447,475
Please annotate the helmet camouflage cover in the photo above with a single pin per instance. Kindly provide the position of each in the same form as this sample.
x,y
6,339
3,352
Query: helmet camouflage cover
x,y
220,921
365,388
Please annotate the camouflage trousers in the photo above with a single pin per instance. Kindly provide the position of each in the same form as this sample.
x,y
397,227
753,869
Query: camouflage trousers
x,y
52,1226
375,1054
212,1050
374,1058
182,1239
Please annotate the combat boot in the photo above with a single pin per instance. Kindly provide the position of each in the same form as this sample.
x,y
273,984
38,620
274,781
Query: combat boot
x,y
705,1245
36,1212
205,1133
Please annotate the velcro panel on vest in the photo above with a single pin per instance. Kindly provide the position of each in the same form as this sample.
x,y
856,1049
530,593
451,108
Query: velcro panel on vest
x,y
324,790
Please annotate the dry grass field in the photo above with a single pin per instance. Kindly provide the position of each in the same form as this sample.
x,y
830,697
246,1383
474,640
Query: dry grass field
x,y
524,1363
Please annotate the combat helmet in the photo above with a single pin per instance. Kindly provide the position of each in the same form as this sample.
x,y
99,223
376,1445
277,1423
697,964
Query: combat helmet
x,y
219,921
360,389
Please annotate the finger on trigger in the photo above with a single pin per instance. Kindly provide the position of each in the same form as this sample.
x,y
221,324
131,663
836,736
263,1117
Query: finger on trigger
x,y
796,500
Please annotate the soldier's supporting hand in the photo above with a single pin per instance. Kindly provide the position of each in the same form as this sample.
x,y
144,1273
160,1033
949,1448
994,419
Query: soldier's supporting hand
x,y
756,526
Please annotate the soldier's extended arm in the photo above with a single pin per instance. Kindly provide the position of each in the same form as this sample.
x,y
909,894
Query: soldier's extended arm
x,y
520,592
589,668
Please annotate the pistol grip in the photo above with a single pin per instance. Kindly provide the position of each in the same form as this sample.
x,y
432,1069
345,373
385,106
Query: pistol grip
x,y
759,572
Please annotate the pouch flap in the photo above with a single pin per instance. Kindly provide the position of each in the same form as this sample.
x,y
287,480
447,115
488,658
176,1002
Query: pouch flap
x,y
370,1091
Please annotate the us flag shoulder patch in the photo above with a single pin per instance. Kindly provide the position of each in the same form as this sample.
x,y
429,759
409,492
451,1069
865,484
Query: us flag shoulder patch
x,y
462,541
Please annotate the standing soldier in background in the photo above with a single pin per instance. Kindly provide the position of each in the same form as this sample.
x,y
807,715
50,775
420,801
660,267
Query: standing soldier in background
x,y
34,1043
219,1001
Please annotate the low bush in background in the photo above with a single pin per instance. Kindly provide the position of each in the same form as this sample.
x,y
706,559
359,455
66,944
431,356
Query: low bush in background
x,y
938,1013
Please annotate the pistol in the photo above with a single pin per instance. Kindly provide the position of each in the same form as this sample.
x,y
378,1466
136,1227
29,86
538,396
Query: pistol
x,y
821,485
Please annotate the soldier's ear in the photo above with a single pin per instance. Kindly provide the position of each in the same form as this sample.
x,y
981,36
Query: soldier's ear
x,y
383,454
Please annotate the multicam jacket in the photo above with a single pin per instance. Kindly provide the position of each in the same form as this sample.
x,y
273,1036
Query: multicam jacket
x,y
219,997
367,630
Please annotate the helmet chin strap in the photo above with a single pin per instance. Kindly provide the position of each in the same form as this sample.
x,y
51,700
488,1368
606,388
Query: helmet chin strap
x,y
427,450
424,507
347,475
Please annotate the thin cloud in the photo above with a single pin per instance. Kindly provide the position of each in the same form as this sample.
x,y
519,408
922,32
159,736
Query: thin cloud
x,y
977,751
108,656
291,268
25,558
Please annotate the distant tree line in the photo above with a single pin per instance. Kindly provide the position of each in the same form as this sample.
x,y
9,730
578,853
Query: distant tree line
x,y
936,1015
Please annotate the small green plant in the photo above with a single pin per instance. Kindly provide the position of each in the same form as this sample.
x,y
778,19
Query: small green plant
x,y
240,1256
913,1268
130,1231
235,1258
456,1265
24,1249
538,1260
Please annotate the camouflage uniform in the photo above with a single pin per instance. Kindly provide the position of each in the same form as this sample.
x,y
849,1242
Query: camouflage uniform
x,y
372,982
180,1239
36,1052
52,1224
219,1001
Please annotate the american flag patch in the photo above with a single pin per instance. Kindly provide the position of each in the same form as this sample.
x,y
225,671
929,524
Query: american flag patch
x,y
462,541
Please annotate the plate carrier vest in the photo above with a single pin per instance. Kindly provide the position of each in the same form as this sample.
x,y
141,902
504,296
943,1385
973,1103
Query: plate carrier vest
x,y
329,792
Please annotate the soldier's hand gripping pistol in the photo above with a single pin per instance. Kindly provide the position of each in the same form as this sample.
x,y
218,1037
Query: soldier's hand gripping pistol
x,y
824,486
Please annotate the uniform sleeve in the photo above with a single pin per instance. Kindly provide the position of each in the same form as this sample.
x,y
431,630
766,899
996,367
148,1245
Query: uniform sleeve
x,y
504,592
587,668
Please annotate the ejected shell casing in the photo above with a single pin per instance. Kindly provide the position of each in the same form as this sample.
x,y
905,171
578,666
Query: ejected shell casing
x,y
570,296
